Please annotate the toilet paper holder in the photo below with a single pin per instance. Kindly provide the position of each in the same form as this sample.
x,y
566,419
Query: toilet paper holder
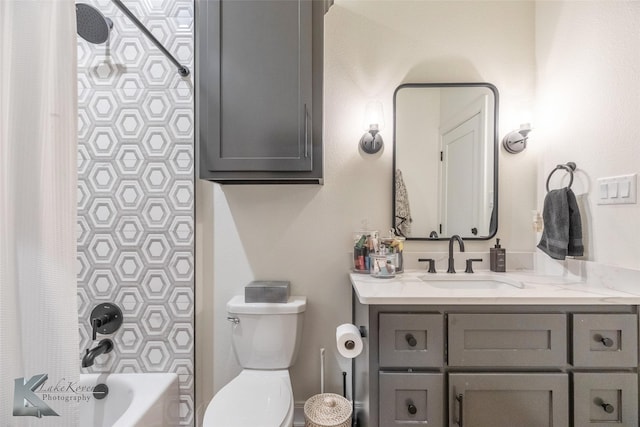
x,y
349,344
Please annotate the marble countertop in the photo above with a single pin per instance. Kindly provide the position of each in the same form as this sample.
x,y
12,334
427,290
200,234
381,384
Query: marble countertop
x,y
527,288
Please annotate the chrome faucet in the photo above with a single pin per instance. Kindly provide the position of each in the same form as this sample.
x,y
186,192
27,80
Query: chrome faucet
x,y
105,346
453,238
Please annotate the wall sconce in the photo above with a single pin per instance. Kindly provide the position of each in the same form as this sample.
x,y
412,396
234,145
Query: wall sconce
x,y
371,142
516,141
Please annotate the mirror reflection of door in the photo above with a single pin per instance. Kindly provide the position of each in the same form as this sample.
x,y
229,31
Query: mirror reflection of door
x,y
461,177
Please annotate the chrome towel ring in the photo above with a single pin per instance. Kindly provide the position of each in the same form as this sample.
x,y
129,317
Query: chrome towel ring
x,y
569,167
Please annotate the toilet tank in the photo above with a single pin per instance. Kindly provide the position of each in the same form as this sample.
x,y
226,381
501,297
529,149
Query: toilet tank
x,y
267,335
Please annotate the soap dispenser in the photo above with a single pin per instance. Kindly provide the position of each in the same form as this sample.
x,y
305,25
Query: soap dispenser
x,y
498,258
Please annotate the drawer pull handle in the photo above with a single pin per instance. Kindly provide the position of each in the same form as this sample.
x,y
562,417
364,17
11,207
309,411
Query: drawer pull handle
x,y
460,409
411,340
412,409
607,342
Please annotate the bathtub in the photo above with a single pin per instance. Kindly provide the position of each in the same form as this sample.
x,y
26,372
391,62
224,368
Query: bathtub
x,y
133,400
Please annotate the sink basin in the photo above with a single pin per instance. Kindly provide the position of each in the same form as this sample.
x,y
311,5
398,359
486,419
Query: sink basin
x,y
471,282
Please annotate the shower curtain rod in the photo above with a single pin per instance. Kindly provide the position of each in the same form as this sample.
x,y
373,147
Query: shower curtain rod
x,y
182,70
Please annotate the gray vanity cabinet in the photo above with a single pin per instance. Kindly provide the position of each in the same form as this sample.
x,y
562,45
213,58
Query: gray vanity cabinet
x,y
508,400
259,78
497,366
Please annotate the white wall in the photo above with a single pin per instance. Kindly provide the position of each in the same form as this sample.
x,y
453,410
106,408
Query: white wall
x,y
303,233
588,68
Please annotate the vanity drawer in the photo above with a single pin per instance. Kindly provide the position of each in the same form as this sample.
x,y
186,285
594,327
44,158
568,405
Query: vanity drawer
x,y
523,340
605,399
605,340
410,399
411,340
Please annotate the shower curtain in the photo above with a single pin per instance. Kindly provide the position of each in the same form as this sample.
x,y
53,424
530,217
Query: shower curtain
x,y
38,163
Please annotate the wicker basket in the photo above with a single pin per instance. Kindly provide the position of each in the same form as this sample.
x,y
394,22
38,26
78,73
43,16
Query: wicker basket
x,y
327,410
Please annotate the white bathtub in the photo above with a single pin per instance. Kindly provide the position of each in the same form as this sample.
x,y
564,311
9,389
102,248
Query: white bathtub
x,y
134,400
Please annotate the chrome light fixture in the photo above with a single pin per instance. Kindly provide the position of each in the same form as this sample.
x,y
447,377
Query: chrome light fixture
x,y
516,141
371,142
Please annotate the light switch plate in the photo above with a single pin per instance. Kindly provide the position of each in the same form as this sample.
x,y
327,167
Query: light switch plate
x,y
618,190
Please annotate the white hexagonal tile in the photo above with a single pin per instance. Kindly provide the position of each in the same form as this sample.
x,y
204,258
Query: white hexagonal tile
x,y
156,213
186,410
83,231
83,53
130,88
85,124
181,17
156,320
181,266
129,123
84,159
155,356
156,177
83,266
181,302
157,70
156,249
181,159
128,366
129,266
182,92
83,195
102,248
130,300
181,195
129,195
130,51
129,338
129,159
155,284
84,302
156,141
103,141
85,339
157,7
184,369
102,213
129,231
84,89
181,124
181,230
103,177
181,337
103,106
182,48
101,284
102,71
156,106
160,30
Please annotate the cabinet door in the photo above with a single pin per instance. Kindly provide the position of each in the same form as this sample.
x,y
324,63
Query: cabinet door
x,y
605,340
605,399
411,340
508,400
522,340
411,399
255,106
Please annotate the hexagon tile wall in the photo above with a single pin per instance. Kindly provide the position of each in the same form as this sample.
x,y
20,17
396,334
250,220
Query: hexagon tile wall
x,y
135,191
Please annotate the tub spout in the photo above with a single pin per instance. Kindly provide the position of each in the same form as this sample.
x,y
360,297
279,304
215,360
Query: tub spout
x,y
103,347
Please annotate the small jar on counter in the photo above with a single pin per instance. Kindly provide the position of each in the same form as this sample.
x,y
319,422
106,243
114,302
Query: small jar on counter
x,y
394,245
382,266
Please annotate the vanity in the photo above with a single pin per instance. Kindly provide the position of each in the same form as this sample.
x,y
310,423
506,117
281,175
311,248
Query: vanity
x,y
495,349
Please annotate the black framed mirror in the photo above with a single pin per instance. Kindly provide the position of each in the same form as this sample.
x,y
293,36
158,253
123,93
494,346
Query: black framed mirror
x,y
445,161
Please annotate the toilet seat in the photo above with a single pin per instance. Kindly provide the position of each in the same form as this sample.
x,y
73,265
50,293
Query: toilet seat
x,y
253,398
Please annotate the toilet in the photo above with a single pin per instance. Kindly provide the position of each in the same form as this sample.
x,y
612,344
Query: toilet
x,y
265,339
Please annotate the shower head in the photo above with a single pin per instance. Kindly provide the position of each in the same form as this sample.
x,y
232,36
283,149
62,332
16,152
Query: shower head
x,y
92,25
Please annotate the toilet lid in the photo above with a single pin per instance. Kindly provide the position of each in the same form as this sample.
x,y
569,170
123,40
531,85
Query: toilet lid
x,y
253,398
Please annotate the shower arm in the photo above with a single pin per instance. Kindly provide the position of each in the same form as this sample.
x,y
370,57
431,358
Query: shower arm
x,y
182,70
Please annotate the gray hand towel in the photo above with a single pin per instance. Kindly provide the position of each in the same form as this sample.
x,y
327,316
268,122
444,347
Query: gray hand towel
x,y
562,234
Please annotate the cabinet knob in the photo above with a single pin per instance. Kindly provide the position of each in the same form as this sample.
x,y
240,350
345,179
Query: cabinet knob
x,y
411,340
608,408
607,342
412,409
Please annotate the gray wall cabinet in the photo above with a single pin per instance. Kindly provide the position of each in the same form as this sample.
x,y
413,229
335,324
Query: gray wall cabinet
x,y
259,80
497,366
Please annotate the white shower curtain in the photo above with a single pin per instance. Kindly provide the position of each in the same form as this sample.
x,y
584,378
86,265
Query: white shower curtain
x,y
38,162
